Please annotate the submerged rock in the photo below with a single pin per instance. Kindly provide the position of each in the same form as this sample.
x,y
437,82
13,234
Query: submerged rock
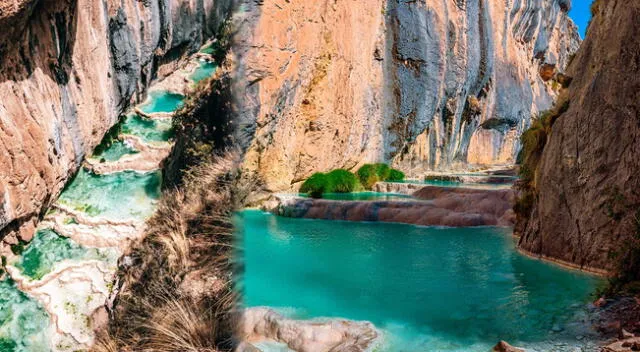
x,y
260,324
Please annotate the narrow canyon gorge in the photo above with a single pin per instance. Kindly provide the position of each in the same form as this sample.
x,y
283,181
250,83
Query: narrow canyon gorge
x,y
318,176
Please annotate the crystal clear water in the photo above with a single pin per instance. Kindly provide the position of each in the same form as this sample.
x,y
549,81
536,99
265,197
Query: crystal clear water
x,y
150,130
204,71
117,150
161,101
361,196
48,248
428,289
124,195
24,325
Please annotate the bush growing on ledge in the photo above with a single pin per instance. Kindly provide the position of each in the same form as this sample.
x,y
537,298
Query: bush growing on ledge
x,y
370,174
395,175
342,181
336,181
315,185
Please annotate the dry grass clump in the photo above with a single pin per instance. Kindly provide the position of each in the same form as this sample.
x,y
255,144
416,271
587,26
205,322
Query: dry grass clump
x,y
175,289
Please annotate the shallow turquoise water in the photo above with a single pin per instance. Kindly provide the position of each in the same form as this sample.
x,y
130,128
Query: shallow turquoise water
x,y
119,196
150,130
24,324
48,248
362,196
204,71
162,102
117,150
429,289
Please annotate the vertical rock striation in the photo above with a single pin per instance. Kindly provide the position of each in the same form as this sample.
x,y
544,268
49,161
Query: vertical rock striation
x,y
586,209
426,84
68,69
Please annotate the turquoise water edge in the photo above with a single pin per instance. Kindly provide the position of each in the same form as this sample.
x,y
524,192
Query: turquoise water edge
x,y
426,288
126,196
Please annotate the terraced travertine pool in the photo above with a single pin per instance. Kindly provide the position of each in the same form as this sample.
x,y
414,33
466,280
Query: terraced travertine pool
x,y
425,288
59,280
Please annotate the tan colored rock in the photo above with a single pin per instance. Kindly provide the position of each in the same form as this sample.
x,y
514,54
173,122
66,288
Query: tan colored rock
x,y
503,346
422,84
69,69
627,345
258,324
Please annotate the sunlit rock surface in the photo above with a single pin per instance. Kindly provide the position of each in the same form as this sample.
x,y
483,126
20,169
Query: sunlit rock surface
x,y
260,324
69,69
425,84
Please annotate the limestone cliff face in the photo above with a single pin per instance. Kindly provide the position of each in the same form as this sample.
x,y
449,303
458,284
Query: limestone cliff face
x,y
68,69
587,208
427,84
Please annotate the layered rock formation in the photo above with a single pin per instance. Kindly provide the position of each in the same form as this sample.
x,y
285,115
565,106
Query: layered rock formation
x,y
68,69
586,209
425,84
432,206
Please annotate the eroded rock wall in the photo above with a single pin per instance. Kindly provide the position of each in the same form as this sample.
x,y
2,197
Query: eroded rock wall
x,y
427,84
68,69
587,206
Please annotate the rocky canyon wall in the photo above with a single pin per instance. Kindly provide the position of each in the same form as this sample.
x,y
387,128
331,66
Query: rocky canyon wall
x,y
426,84
586,209
68,69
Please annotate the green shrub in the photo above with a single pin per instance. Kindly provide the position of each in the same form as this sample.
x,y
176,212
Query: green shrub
x,y
342,181
315,185
395,175
369,174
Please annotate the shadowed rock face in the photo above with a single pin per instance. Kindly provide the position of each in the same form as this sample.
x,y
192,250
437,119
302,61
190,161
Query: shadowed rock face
x,y
436,206
587,182
68,69
427,84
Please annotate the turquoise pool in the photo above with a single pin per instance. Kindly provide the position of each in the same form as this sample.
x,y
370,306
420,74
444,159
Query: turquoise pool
x,y
126,195
24,325
150,130
204,71
117,150
427,289
161,101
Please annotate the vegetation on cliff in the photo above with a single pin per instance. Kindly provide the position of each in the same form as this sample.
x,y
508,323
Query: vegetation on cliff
x,y
175,287
336,181
370,174
533,141
344,181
